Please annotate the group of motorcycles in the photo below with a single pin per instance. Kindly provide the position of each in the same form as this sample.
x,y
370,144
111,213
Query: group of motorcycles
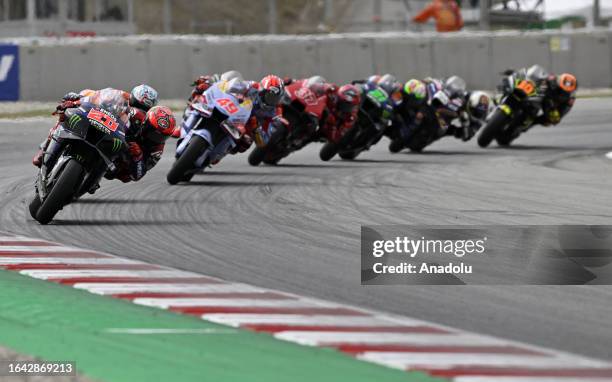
x,y
93,137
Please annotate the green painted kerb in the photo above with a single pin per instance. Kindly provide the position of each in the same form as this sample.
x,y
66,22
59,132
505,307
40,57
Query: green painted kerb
x,y
55,322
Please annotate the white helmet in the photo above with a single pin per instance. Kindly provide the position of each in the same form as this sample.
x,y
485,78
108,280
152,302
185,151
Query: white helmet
x,y
230,75
315,80
456,86
479,104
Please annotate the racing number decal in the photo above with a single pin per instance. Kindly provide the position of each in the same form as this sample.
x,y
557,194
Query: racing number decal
x,y
105,120
228,105
527,87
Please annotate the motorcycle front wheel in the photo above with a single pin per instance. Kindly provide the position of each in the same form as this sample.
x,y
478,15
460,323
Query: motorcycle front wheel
x,y
492,128
62,192
186,162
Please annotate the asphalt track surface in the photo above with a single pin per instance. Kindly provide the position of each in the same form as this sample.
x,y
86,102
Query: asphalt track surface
x,y
295,227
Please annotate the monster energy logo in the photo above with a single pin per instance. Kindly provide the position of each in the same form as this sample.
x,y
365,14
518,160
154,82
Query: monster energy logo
x,y
73,121
116,144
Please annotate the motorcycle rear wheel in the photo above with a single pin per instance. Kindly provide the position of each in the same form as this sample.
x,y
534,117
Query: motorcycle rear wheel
x,y
186,162
61,193
257,156
396,146
349,155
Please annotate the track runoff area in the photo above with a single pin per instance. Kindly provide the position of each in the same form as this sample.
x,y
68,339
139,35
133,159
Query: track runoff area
x,y
237,328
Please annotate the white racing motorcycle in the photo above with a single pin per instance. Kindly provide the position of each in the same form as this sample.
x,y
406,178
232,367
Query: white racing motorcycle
x,y
214,123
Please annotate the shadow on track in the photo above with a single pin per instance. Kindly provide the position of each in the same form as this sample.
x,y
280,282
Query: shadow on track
x,y
239,173
444,153
109,223
123,201
216,183
322,165
540,148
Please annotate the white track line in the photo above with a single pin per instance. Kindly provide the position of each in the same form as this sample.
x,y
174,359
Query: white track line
x,y
67,260
609,155
431,360
296,319
40,249
118,288
322,338
203,302
74,273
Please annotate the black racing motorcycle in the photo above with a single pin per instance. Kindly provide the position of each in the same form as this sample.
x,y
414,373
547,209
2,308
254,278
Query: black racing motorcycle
x,y
81,151
515,113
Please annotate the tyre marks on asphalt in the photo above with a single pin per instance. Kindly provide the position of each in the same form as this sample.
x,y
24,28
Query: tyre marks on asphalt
x,y
392,341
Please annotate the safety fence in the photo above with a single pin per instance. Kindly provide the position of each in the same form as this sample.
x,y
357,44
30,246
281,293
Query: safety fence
x,y
43,69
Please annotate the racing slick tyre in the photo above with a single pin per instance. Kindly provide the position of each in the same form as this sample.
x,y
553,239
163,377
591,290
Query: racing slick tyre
x,y
34,205
187,177
186,162
62,192
328,151
348,155
272,162
396,146
504,139
257,156
497,122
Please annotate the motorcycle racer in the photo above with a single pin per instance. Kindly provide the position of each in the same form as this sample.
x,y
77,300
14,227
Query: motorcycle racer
x,y
145,131
267,111
558,92
266,96
146,142
478,106
343,106
559,98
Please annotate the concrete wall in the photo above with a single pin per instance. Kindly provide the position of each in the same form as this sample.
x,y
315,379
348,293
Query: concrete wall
x,y
49,67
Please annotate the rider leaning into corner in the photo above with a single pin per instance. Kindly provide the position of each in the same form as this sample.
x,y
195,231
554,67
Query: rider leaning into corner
x,y
558,91
148,127
266,96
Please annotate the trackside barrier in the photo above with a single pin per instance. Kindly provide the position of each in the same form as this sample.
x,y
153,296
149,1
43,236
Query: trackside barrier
x,y
47,68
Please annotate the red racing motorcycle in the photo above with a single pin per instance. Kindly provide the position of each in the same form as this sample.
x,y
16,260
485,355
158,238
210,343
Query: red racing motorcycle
x,y
304,106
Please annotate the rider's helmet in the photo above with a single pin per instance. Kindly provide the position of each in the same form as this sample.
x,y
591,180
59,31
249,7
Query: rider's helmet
x,y
387,78
537,73
271,91
159,124
230,75
373,80
348,100
388,83
416,89
315,80
455,86
479,104
567,82
143,97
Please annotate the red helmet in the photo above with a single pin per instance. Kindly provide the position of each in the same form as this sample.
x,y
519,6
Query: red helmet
x,y
349,99
271,90
567,82
161,123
